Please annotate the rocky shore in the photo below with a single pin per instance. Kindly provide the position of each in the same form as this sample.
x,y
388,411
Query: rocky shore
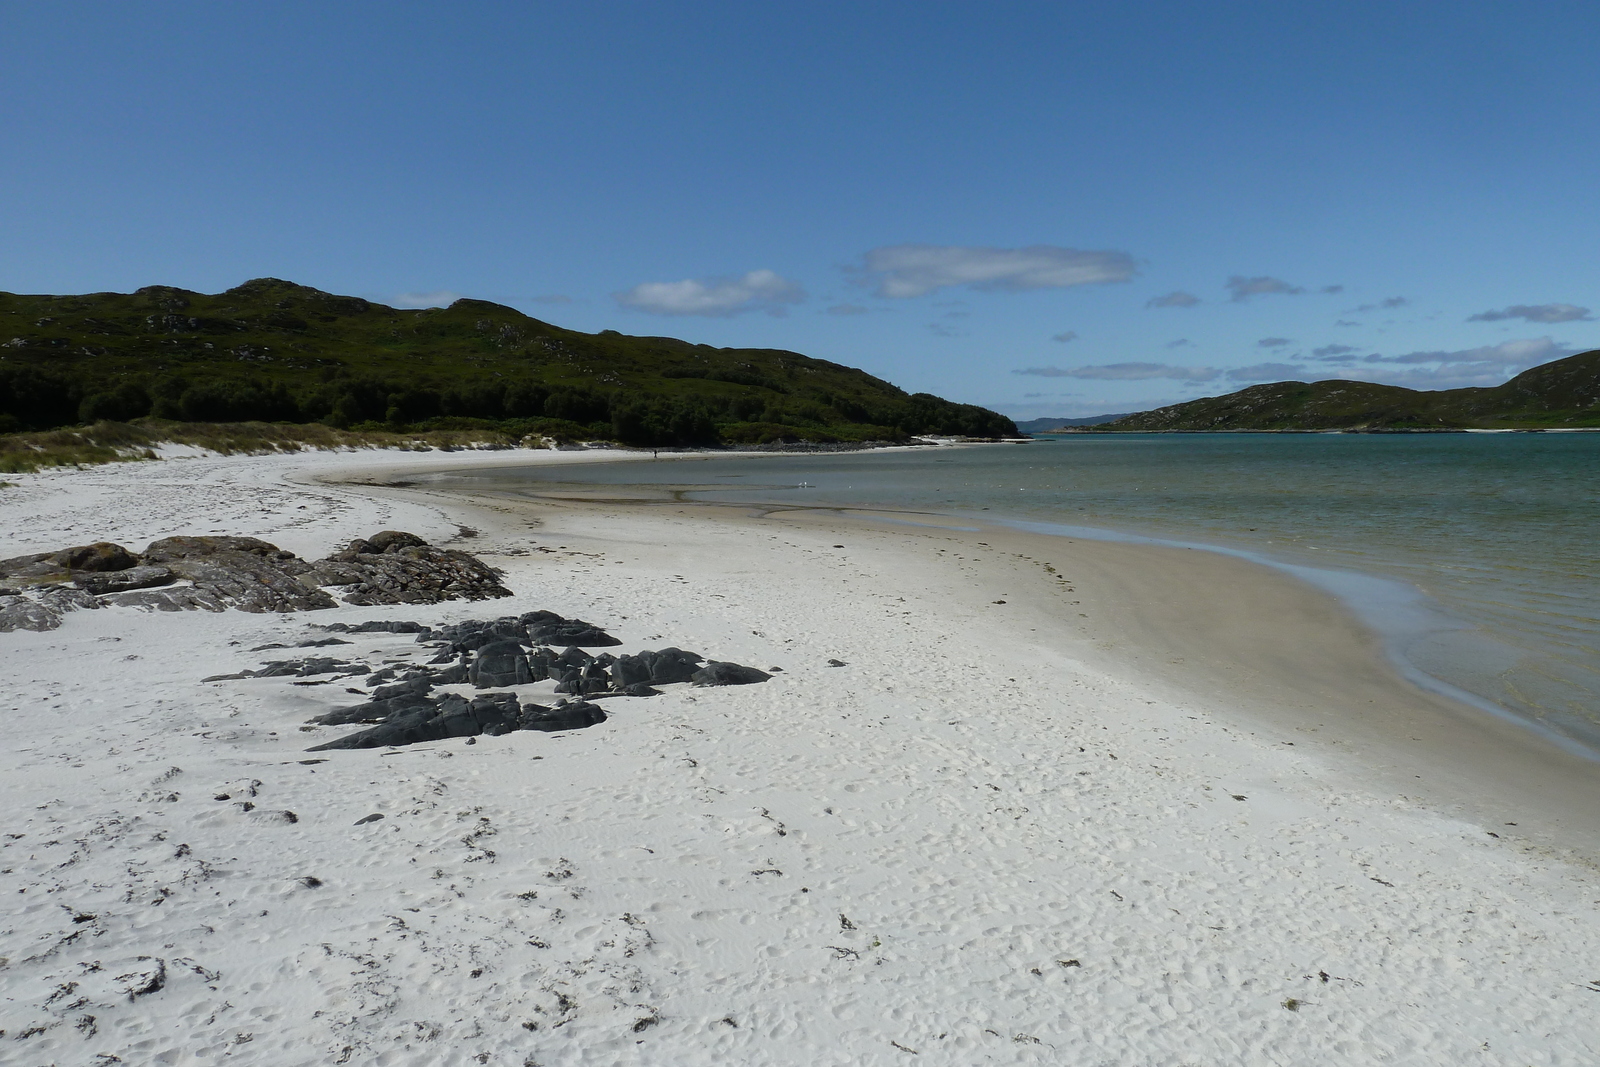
x,y
243,573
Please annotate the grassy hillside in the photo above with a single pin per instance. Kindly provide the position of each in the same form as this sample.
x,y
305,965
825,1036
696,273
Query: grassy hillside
x,y
1565,393
274,351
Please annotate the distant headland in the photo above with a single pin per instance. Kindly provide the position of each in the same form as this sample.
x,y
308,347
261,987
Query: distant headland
x,y
274,351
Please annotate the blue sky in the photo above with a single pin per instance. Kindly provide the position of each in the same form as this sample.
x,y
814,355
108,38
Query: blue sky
x,y
1062,208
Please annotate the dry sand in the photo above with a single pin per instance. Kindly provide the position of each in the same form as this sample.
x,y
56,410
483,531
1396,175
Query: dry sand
x,y
1065,829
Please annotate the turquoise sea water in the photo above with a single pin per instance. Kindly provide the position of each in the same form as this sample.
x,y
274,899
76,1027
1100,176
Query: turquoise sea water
x,y
1500,533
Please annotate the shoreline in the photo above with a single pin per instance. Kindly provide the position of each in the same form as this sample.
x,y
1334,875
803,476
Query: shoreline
x,y
1481,760
1011,833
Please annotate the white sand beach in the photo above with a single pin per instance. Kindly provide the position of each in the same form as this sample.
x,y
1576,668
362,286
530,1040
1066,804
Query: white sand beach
x,y
1063,803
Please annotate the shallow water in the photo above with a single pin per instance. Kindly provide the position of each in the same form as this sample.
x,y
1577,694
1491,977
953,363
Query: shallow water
x,y
1500,532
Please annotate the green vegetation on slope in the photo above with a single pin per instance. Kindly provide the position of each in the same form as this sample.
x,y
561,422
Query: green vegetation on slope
x,y
273,351
1565,393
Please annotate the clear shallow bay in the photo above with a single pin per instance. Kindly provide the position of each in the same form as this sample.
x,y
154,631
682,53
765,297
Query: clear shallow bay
x,y
1500,532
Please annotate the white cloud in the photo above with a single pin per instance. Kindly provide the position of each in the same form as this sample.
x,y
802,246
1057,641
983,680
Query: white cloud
x,y
848,309
1244,288
1535,313
439,298
1272,342
1176,299
913,270
1070,335
760,290
1268,372
1126,372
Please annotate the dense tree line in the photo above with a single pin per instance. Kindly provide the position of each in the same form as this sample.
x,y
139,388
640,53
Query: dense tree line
x,y
34,398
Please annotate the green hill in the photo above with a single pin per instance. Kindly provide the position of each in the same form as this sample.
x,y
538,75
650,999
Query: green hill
x,y
1565,393
274,351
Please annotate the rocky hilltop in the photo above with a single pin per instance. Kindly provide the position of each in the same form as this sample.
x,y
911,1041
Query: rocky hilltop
x,y
1562,394
274,351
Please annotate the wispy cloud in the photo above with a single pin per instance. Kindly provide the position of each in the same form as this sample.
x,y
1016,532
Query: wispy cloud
x,y
1486,366
1525,353
1182,342
1070,335
759,290
1386,304
1272,342
849,309
1244,288
1331,289
1535,313
1330,351
1176,299
1126,372
902,271
439,298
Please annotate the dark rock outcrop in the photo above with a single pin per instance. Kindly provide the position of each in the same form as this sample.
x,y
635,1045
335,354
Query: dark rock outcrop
x,y
245,573
400,568
429,719
718,673
241,572
121,581
671,665
499,664
98,558
379,627
570,633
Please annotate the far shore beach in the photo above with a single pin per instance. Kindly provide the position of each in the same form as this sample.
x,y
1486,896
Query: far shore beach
x,y
1062,801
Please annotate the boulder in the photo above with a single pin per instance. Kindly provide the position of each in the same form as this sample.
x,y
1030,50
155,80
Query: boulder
x,y
24,613
499,664
33,565
671,665
375,711
629,670
454,674
392,541
306,668
120,581
571,633
404,569
413,683
378,627
497,713
719,673
98,557
171,598
241,572
572,715
59,566
541,663
456,718
429,719
406,727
